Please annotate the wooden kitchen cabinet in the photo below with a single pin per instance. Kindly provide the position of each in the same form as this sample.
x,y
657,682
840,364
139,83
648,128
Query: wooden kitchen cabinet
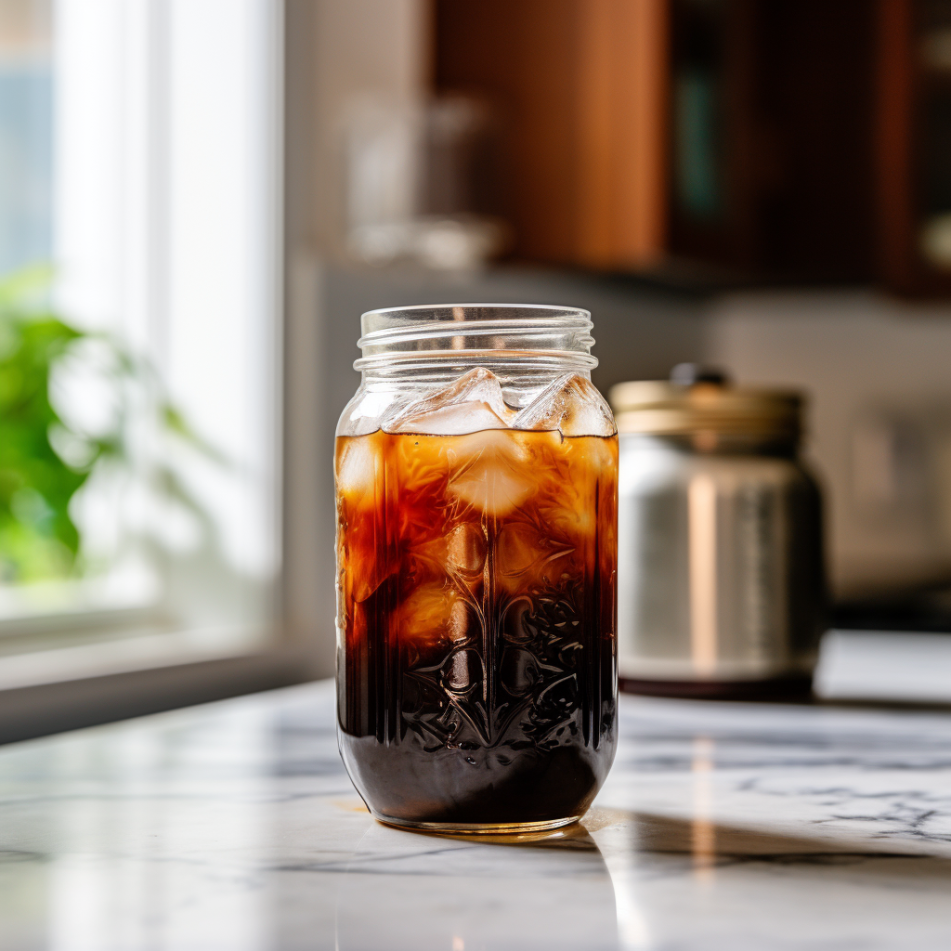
x,y
790,140
579,90
913,145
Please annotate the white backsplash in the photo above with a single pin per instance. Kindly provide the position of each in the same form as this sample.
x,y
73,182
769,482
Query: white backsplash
x,y
878,374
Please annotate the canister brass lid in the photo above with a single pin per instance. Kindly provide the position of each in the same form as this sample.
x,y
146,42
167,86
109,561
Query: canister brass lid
x,y
655,407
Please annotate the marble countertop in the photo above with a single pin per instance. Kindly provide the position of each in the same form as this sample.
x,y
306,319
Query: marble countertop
x,y
735,826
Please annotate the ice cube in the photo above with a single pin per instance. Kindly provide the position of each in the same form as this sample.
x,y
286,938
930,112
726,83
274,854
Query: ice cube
x,y
472,404
356,469
571,405
435,611
491,472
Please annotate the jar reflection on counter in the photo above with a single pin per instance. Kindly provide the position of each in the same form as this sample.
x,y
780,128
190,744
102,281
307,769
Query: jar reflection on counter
x,y
720,564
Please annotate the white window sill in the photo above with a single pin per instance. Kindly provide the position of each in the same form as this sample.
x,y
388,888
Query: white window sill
x,y
111,677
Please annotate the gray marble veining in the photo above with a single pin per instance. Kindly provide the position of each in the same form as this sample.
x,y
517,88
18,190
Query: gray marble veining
x,y
233,826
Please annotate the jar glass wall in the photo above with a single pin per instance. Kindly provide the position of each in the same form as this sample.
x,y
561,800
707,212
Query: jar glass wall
x,y
476,475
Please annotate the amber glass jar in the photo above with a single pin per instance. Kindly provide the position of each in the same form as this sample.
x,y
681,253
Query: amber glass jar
x,y
476,477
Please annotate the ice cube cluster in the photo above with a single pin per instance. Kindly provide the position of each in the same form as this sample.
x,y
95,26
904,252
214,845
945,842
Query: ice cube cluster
x,y
474,403
471,404
491,473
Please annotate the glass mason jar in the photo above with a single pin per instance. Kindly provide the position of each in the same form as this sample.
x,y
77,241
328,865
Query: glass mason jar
x,y
476,480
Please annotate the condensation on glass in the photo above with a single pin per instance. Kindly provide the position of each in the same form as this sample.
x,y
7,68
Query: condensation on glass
x,y
476,478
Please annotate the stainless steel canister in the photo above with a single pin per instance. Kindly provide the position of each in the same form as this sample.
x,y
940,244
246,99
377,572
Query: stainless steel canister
x,y
721,586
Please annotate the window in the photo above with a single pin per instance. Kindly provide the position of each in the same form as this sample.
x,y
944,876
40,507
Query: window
x,y
139,153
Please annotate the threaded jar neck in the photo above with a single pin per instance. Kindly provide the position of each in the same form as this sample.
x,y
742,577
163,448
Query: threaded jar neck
x,y
446,338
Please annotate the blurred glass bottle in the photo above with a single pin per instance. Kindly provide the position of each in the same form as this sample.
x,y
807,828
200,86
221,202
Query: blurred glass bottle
x,y
421,182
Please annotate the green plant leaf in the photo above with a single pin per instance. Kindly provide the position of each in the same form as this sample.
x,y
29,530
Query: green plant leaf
x,y
38,537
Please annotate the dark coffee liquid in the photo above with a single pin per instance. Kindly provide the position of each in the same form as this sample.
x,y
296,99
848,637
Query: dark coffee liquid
x,y
476,616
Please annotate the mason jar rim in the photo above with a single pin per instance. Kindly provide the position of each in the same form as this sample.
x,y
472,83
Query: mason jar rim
x,y
420,315
437,332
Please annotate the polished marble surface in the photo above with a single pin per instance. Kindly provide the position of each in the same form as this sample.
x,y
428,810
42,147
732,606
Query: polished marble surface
x,y
233,826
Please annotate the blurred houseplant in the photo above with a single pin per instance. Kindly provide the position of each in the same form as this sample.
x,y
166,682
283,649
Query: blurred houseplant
x,y
46,457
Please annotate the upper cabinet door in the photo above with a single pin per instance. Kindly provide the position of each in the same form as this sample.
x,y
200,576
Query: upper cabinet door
x,y
580,89
790,140
913,145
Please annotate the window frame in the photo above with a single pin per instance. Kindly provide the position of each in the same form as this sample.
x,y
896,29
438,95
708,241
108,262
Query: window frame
x,y
99,666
